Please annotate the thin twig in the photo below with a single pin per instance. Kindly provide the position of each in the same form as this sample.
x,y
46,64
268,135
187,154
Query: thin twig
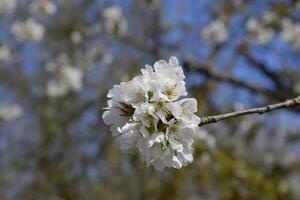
x,y
286,104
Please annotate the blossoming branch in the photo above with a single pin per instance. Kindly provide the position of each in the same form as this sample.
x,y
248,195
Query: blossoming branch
x,y
148,115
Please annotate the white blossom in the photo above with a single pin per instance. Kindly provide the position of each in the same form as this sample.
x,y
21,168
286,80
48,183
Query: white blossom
x,y
215,32
56,89
269,17
51,66
258,32
290,32
40,7
72,77
5,54
293,183
147,116
30,30
7,6
108,58
68,79
10,112
114,20
76,37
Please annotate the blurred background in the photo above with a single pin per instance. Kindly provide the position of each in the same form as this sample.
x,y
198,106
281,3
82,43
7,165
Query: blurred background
x,y
59,58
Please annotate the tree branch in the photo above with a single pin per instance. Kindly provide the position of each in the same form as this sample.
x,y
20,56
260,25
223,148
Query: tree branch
x,y
136,43
286,104
218,76
262,67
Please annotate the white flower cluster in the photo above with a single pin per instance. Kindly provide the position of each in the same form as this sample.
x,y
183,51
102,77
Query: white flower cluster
x,y
68,79
5,54
146,115
114,20
76,37
30,30
40,7
259,30
10,112
292,182
215,32
290,32
7,6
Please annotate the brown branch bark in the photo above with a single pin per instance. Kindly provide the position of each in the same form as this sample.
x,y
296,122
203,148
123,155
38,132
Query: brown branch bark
x,y
268,108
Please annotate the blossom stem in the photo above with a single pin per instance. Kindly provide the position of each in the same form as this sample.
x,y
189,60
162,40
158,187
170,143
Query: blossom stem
x,y
260,110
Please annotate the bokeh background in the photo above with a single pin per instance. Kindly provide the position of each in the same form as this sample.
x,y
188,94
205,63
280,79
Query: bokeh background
x,y
59,58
